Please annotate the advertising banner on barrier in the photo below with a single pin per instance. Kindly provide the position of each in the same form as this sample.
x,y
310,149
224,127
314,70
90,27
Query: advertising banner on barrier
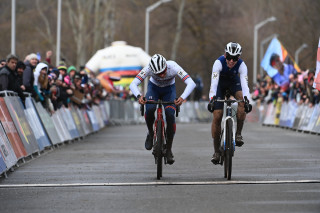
x,y
77,120
292,111
85,121
93,120
278,110
316,127
6,149
270,113
11,130
48,124
19,119
104,112
297,119
284,115
3,167
314,117
305,118
98,115
60,126
35,124
69,122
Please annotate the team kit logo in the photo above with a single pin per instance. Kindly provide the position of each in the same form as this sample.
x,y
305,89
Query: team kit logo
x,y
181,73
215,75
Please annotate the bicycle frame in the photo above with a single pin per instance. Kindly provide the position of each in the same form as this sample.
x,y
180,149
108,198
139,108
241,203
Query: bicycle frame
x,y
228,115
159,152
228,148
159,118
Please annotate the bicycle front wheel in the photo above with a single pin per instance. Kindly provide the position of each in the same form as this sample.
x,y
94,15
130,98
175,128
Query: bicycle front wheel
x,y
228,150
158,150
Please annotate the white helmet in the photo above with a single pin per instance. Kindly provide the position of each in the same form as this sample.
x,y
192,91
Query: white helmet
x,y
157,64
233,49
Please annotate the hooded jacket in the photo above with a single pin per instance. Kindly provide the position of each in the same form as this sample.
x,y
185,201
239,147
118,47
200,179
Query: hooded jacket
x,y
28,78
36,83
8,81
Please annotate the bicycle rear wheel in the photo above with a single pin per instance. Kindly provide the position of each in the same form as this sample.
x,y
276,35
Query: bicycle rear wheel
x,y
228,150
158,150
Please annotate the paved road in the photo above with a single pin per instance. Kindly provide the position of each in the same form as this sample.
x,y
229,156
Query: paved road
x,y
276,170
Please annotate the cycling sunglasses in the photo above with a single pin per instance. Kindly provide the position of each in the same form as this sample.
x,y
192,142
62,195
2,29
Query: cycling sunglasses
x,y
234,58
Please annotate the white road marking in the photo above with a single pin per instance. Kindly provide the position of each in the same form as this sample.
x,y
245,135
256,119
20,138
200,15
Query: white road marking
x,y
156,183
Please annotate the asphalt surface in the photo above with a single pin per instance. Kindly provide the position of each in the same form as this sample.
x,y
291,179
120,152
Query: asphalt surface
x,y
277,170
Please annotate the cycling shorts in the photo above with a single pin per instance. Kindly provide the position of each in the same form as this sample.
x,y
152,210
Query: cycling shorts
x,y
233,84
155,92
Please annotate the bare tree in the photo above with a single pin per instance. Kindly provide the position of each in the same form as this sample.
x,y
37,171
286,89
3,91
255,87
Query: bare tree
x,y
178,30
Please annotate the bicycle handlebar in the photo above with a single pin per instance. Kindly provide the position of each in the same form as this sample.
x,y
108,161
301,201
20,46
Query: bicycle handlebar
x,y
159,102
229,101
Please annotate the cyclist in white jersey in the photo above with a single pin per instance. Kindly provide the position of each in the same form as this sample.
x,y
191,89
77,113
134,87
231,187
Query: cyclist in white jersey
x,y
225,75
162,86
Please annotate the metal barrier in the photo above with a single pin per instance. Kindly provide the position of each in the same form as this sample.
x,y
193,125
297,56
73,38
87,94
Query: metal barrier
x,y
30,130
291,115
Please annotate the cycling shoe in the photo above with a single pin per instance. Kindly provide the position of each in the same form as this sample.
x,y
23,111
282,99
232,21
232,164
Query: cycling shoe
x,y
216,158
170,157
149,142
239,140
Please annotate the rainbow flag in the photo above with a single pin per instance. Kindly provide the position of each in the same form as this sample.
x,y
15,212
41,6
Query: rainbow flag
x,y
275,46
316,83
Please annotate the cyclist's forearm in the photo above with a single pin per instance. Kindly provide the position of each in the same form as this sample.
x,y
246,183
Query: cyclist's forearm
x,y
189,88
216,69
134,87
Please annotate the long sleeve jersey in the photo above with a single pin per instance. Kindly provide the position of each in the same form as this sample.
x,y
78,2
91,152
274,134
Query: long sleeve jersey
x,y
173,70
221,70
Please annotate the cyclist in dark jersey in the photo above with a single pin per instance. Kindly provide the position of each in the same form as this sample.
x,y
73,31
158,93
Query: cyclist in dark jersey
x,y
228,72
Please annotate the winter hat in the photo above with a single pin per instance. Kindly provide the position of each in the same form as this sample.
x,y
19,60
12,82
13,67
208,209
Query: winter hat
x,y
20,64
62,68
71,68
32,56
55,71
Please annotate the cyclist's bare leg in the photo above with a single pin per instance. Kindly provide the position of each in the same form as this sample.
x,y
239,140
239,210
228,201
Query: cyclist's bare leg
x,y
241,116
216,128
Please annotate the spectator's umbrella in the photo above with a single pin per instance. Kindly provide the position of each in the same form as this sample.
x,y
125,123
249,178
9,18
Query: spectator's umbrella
x,y
316,83
124,60
275,46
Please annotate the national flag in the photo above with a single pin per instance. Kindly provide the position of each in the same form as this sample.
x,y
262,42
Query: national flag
x,y
316,83
275,46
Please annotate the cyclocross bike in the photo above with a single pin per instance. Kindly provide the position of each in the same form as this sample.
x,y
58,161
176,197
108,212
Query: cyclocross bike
x,y
159,138
228,132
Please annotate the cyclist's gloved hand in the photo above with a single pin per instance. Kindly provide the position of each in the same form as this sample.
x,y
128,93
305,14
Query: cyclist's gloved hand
x,y
247,105
211,104
142,100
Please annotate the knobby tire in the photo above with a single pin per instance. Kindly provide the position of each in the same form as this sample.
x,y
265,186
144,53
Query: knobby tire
x,y
229,150
159,143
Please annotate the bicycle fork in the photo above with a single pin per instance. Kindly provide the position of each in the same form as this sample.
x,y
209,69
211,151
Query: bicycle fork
x,y
228,117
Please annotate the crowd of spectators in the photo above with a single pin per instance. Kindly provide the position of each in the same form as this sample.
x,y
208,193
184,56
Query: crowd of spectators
x,y
300,89
53,86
